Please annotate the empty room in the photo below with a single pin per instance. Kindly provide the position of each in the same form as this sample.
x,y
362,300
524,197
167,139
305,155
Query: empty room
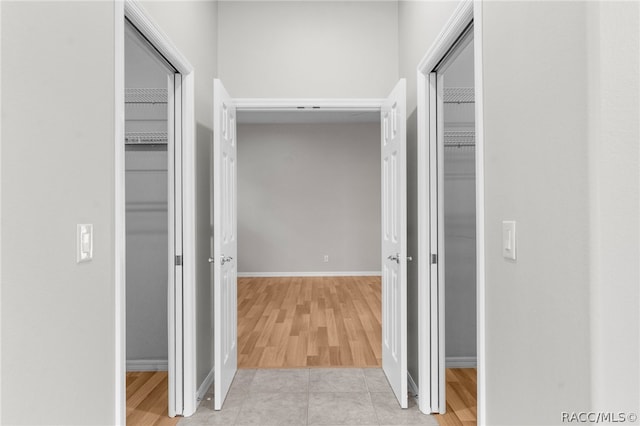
x,y
309,239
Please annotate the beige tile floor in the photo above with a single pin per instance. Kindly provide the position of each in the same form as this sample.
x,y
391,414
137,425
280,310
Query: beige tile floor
x,y
317,396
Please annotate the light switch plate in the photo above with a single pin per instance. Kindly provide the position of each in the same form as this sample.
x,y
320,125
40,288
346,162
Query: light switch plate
x,y
84,243
509,239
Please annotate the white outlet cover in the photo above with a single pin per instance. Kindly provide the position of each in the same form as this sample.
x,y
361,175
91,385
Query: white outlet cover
x,y
509,239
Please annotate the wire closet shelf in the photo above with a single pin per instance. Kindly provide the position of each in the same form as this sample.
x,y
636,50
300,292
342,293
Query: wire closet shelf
x,y
145,138
459,138
459,95
146,95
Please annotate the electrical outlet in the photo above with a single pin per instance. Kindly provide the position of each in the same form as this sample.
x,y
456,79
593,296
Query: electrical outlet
x,y
326,258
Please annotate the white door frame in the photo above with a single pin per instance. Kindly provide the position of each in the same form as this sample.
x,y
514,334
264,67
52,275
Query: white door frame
x,y
297,104
310,104
133,11
467,12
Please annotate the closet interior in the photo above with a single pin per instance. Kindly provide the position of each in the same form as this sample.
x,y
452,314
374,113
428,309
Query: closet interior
x,y
460,211
146,186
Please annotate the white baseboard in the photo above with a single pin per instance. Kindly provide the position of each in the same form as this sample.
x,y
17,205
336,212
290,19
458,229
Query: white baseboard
x,y
147,365
204,387
413,388
461,362
310,274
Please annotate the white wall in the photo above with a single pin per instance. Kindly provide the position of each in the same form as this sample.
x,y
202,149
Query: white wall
x,y
193,27
614,100
57,171
305,191
308,49
536,173
562,322
58,331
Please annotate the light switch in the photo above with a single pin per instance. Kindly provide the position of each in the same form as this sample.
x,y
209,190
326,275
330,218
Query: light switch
x,y
509,239
85,243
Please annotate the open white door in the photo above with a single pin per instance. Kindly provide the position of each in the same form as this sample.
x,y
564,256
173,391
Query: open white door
x,y
175,287
394,241
436,244
225,243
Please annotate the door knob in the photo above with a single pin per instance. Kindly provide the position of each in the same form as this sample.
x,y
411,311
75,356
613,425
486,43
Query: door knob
x,y
224,259
211,260
396,258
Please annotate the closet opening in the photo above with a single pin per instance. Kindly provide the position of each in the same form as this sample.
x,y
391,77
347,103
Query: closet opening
x,y
451,222
457,228
309,249
154,208
154,223
148,81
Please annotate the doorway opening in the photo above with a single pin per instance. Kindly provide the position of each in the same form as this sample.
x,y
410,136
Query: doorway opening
x,y
154,211
392,232
148,81
451,230
457,229
309,255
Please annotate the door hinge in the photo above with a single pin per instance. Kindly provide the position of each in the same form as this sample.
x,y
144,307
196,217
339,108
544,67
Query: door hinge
x,y
434,259
179,260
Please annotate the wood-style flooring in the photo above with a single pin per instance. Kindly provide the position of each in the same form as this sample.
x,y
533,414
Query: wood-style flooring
x,y
461,398
304,322
147,399
296,322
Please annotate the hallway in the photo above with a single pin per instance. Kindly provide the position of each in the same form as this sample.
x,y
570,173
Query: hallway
x,y
147,396
327,396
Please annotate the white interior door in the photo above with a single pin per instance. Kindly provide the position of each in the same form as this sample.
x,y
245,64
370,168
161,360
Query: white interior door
x,y
175,274
225,242
394,241
437,392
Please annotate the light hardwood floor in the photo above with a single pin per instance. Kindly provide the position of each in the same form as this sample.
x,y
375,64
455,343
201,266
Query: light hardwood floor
x,y
309,322
304,322
147,399
461,398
